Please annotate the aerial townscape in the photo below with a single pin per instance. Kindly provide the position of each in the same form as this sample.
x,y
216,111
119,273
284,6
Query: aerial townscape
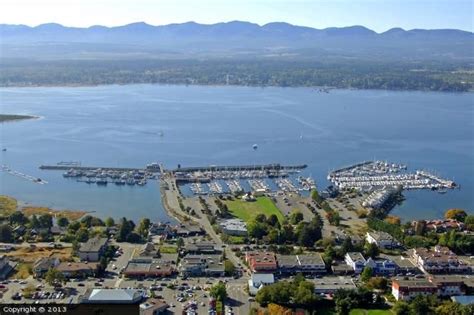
x,y
237,157
245,240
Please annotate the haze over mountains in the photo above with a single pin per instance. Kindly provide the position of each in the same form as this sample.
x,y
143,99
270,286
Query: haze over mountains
x,y
233,39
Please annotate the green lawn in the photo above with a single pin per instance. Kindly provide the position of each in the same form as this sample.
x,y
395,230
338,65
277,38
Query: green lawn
x,y
361,311
246,210
168,250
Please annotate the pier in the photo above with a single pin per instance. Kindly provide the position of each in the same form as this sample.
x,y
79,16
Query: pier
x,y
88,168
263,167
30,178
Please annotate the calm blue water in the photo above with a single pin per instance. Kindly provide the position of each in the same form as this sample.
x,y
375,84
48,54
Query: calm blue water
x,y
120,126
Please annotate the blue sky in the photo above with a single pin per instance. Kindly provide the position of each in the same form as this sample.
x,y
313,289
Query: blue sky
x,y
378,15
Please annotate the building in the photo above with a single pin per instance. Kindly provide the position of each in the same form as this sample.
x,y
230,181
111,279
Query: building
x,y
407,289
329,285
236,227
200,248
160,229
147,268
382,267
6,267
463,299
261,261
78,269
112,296
356,261
381,239
404,264
439,260
341,268
93,249
306,264
42,265
201,265
148,250
448,285
187,230
259,280
441,226
153,307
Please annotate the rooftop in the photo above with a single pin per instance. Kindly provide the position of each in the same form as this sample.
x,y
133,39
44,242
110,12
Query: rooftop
x,y
93,244
356,256
380,236
414,283
114,295
76,266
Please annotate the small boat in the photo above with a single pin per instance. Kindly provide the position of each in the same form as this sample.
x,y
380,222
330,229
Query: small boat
x,y
255,146
101,181
4,149
120,182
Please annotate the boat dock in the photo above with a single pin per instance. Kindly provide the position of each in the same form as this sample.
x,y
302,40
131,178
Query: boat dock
x,y
368,176
263,167
33,179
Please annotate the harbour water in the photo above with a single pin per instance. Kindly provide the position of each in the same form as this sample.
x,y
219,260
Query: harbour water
x,y
130,126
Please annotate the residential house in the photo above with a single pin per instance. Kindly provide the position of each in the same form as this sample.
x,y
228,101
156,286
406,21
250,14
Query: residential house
x,y
439,260
381,239
93,249
448,285
382,267
356,261
162,230
407,289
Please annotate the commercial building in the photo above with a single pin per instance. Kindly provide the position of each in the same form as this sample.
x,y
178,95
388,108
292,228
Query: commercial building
x,y
381,239
145,268
78,269
261,261
329,285
200,248
306,264
236,227
201,265
93,249
43,264
112,296
6,267
439,260
153,307
259,280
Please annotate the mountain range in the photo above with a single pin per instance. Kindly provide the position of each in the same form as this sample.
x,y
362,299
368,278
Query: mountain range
x,y
231,39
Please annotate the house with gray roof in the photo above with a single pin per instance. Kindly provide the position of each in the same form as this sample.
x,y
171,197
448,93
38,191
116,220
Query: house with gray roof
x,y
93,249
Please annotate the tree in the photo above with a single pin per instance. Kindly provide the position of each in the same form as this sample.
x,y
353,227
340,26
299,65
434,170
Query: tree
x,y
229,268
143,227
379,283
343,306
45,221
469,222
366,274
82,235
455,214
329,255
260,218
34,222
401,308
180,242
315,196
219,292
371,250
256,229
420,305
347,245
6,233
53,276
126,227
62,221
305,294
109,222
296,217
19,218
272,220
133,238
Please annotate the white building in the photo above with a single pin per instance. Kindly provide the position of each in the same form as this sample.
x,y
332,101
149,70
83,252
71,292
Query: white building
x,y
381,239
356,261
235,227
259,280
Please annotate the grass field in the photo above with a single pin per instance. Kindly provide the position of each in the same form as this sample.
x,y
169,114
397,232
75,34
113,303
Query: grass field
x,y
168,250
246,210
69,214
361,311
30,255
7,205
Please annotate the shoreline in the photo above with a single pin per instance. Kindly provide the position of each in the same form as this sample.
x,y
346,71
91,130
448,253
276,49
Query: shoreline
x,y
85,85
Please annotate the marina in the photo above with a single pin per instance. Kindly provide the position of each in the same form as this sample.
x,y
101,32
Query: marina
x,y
368,176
